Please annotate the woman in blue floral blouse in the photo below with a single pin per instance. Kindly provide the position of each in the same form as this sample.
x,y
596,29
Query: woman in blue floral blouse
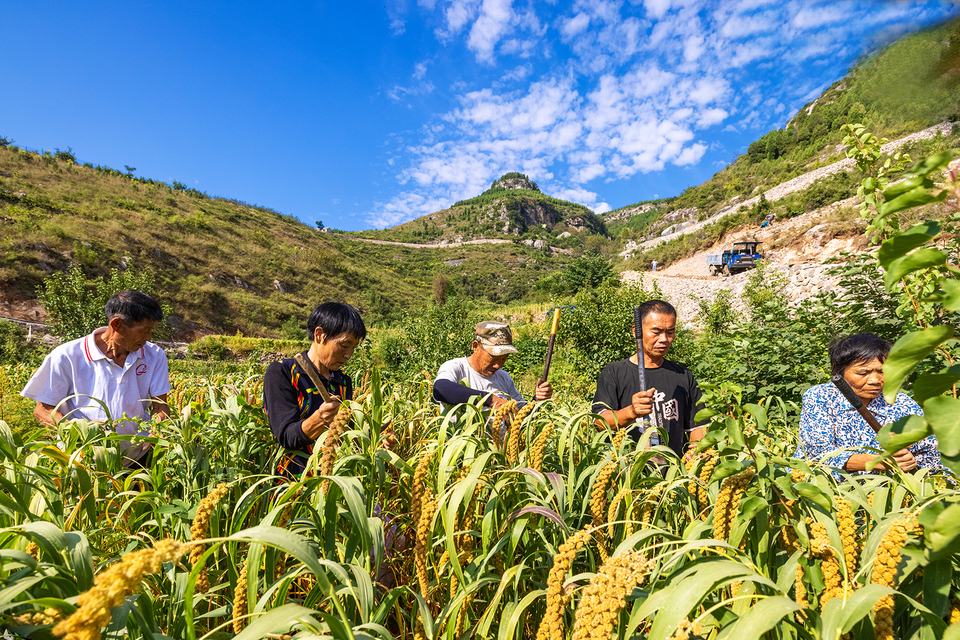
x,y
833,432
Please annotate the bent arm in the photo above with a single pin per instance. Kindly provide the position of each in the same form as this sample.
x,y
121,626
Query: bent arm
x,y
450,392
159,408
47,414
283,413
615,419
816,433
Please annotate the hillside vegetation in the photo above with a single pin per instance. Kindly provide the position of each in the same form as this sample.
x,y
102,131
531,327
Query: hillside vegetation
x,y
513,207
223,266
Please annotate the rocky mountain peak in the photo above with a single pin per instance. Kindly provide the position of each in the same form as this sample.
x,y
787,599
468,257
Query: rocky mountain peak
x,y
515,181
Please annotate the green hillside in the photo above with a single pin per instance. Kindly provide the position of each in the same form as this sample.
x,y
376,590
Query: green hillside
x,y
222,265
513,207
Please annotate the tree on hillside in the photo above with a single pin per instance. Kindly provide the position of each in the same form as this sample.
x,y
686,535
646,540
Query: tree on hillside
x,y
441,286
76,308
5,141
588,272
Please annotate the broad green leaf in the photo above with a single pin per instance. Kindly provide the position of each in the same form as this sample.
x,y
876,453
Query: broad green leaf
x,y
117,629
948,296
759,415
840,615
937,577
814,494
80,559
905,186
903,433
761,617
934,384
907,241
919,259
727,468
689,589
943,414
913,198
936,162
907,353
952,632
278,621
945,537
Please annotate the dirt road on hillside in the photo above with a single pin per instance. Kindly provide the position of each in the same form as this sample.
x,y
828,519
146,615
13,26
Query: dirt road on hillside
x,y
429,245
801,182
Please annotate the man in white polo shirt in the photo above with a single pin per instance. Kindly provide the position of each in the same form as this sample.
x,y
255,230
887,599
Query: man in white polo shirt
x,y
115,365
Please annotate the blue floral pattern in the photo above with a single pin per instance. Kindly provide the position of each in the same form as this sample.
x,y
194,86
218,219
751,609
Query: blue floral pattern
x,y
831,430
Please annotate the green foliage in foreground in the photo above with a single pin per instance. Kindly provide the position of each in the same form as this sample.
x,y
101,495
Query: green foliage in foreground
x,y
468,530
460,531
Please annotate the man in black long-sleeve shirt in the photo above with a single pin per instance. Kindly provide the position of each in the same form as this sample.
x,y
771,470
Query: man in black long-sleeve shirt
x,y
295,408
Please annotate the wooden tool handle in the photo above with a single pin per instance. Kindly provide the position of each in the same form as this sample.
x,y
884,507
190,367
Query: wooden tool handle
x,y
856,402
553,337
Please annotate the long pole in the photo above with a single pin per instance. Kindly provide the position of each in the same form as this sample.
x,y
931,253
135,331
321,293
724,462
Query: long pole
x,y
638,334
553,337
642,369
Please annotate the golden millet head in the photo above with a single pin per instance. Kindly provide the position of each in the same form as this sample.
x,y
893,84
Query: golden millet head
x,y
112,586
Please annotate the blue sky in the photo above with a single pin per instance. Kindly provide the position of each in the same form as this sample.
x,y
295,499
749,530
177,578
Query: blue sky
x,y
368,114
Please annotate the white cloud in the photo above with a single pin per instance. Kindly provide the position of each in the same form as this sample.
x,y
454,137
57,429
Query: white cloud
x,y
636,88
575,25
710,117
657,8
491,24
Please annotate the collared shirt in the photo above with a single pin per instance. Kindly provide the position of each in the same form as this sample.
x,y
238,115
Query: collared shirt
x,y
831,430
77,374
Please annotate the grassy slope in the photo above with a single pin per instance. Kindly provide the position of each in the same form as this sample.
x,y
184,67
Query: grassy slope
x,y
216,260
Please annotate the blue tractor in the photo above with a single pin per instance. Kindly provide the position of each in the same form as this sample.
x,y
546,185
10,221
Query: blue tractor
x,y
742,256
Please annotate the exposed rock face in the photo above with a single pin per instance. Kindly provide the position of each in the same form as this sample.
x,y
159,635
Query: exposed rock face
x,y
626,214
582,222
528,213
802,281
516,183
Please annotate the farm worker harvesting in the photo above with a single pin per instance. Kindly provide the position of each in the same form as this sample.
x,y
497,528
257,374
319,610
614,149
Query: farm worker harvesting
x,y
482,371
116,365
672,398
302,395
834,432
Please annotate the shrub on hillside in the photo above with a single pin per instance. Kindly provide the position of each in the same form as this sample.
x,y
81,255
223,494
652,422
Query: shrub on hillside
x,y
14,347
75,307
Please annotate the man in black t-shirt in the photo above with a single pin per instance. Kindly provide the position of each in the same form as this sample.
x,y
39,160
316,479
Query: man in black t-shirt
x,y
672,398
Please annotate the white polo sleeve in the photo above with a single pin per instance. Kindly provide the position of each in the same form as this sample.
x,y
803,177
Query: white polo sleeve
x,y
160,381
52,382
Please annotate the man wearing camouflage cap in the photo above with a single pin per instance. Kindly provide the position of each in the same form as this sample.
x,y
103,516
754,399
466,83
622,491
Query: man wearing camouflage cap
x,y
482,371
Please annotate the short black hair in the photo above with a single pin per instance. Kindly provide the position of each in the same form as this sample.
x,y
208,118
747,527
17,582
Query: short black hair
x,y
133,306
656,306
855,349
336,318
